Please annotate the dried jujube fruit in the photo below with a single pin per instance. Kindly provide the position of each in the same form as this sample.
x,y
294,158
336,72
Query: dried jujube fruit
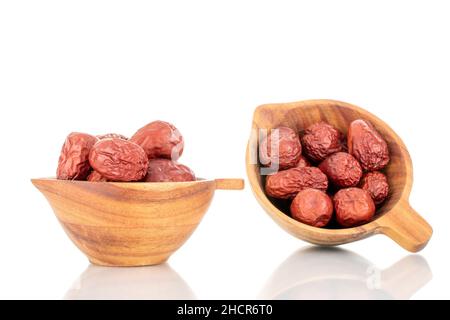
x,y
312,207
114,157
119,160
288,183
353,207
73,161
321,140
160,139
280,147
342,169
367,145
94,176
112,135
377,185
303,162
165,170
355,184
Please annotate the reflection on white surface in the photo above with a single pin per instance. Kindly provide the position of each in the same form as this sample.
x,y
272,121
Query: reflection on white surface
x,y
333,273
153,282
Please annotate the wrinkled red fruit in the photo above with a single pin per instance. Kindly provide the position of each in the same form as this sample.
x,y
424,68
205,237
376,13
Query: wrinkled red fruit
x,y
281,146
342,169
303,162
165,170
288,183
377,185
119,160
367,145
321,140
73,161
353,207
94,176
112,135
160,139
312,207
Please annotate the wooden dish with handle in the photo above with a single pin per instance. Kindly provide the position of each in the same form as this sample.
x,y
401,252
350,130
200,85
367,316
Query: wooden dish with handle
x,y
395,218
130,224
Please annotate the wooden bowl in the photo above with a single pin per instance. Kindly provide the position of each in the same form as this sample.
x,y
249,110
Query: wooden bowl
x,y
130,224
395,218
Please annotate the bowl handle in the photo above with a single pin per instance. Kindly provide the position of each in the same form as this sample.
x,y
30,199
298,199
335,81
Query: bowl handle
x,y
406,227
229,184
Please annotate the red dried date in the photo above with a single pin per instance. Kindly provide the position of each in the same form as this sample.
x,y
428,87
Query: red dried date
x,y
288,183
303,162
321,140
342,169
94,176
312,207
160,139
367,145
119,160
377,185
73,161
353,207
165,170
280,147
112,136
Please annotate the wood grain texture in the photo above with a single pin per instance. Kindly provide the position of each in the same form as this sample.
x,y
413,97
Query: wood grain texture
x,y
395,218
130,224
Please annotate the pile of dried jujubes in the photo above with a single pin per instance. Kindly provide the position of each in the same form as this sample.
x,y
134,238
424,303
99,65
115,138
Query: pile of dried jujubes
x,y
322,172
149,155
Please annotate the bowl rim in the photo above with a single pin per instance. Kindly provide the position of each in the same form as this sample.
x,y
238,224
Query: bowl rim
x,y
145,186
356,231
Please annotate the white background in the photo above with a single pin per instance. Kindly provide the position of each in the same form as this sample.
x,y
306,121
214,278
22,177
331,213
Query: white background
x,y
101,66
